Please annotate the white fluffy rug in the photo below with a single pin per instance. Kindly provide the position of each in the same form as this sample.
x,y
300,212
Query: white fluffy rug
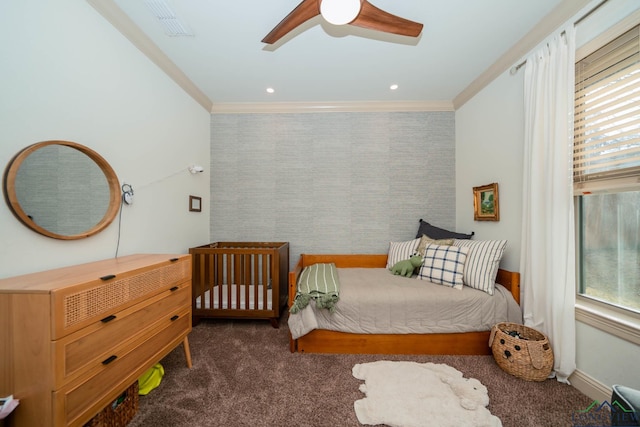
x,y
410,394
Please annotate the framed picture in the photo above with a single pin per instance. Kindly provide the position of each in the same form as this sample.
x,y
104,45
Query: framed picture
x,y
195,204
486,206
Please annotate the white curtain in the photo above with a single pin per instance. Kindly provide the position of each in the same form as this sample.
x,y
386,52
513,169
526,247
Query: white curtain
x,y
548,247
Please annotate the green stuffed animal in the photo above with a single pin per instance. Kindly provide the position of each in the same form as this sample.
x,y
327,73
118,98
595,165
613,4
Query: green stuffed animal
x,y
407,266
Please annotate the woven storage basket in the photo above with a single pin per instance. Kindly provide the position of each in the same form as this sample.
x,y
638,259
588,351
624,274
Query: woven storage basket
x,y
120,412
529,357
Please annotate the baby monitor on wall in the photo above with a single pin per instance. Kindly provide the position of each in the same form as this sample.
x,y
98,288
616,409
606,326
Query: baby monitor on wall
x,y
127,194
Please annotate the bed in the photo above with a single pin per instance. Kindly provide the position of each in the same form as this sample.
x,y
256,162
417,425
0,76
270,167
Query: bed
x,y
334,341
240,280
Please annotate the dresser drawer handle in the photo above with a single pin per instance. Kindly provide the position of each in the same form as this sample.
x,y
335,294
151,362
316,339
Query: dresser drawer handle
x,y
176,317
174,259
108,318
175,288
109,359
108,277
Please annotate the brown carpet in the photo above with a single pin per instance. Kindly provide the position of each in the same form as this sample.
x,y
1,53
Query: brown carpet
x,y
244,375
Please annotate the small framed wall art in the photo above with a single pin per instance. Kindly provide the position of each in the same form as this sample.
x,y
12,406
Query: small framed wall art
x,y
195,204
486,206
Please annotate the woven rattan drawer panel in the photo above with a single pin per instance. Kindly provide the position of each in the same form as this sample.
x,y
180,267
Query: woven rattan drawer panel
x,y
78,403
94,302
87,348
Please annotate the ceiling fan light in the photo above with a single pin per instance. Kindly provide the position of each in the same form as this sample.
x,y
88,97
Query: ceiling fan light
x,y
340,12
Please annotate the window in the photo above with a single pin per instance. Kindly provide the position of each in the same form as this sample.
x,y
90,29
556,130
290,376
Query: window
x,y
606,167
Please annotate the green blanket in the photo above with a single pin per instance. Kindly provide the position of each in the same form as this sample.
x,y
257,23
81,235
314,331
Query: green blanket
x,y
320,283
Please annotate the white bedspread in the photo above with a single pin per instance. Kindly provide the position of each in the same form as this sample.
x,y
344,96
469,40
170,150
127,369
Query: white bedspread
x,y
374,301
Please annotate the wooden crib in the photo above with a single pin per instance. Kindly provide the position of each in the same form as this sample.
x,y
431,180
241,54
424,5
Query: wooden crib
x,y
245,280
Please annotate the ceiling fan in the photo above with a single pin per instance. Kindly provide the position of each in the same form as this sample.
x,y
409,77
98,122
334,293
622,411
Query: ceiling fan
x,y
360,13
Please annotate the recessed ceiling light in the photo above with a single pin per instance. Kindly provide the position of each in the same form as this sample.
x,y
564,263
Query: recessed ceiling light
x,y
270,90
393,87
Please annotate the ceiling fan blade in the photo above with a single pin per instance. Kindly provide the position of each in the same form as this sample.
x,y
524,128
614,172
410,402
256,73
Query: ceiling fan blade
x,y
377,19
302,13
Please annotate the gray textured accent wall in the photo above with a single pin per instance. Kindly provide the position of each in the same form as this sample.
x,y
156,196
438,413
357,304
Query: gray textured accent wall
x,y
331,182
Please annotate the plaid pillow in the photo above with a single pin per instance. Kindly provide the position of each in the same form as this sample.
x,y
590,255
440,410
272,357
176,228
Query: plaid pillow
x,y
399,251
482,263
444,265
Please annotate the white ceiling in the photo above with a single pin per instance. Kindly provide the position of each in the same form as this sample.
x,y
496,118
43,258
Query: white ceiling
x,y
321,63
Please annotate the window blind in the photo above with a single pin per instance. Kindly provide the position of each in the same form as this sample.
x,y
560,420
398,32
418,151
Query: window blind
x,y
607,112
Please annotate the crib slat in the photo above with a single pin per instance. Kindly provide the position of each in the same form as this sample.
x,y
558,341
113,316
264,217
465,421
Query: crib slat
x,y
248,259
219,279
256,280
237,270
229,278
211,282
265,277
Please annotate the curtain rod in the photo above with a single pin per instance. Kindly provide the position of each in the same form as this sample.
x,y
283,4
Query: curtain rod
x,y
515,68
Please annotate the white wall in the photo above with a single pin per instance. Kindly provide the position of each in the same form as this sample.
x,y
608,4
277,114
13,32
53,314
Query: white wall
x,y
607,358
489,148
67,74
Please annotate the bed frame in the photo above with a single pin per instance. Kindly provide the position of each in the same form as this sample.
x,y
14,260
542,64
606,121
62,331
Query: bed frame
x,y
247,267
323,341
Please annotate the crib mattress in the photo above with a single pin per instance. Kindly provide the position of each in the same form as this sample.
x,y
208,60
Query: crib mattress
x,y
207,303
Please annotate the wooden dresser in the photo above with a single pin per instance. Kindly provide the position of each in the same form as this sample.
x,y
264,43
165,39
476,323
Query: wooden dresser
x,y
73,339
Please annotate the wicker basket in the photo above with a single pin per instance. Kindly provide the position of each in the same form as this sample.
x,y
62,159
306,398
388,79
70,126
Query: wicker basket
x,y
529,357
118,413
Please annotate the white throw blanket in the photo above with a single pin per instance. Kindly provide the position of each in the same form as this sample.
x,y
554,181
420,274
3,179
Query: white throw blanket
x,y
410,394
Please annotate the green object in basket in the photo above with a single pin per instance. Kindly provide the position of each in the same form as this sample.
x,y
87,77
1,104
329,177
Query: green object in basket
x,y
150,379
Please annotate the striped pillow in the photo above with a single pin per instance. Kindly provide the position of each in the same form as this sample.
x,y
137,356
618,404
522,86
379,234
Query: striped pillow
x,y
443,265
399,251
482,262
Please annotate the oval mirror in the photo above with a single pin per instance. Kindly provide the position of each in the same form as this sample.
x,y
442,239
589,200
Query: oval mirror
x,y
62,189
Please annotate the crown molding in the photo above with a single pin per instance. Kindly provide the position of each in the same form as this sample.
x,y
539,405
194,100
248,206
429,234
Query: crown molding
x,y
329,107
553,20
112,13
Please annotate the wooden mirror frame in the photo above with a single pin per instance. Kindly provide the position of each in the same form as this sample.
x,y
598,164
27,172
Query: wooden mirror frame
x,y
12,198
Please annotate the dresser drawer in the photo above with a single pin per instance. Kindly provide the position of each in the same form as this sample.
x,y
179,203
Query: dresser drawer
x,y
76,307
82,351
78,401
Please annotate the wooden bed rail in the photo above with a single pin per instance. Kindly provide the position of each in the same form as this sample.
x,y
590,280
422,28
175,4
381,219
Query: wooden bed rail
x,y
511,281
